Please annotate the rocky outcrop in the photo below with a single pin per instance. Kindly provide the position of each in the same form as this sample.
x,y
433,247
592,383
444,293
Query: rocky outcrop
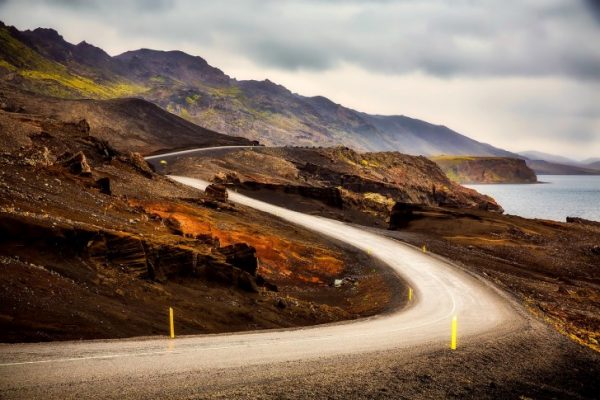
x,y
216,192
402,214
234,265
141,165
463,169
241,256
582,221
328,195
230,177
76,163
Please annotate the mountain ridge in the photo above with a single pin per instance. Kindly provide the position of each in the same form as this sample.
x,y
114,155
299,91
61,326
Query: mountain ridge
x,y
188,86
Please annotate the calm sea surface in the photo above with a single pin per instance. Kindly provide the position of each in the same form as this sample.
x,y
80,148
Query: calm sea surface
x,y
561,196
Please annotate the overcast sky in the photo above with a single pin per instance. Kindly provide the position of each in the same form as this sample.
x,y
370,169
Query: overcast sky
x,y
519,74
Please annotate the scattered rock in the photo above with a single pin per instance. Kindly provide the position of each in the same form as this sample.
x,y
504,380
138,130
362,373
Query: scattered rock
x,y
104,185
83,126
562,290
208,239
36,156
174,226
216,192
138,162
230,177
241,256
281,303
77,163
262,282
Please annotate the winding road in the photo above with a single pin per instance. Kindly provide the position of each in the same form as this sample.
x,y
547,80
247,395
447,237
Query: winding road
x,y
441,291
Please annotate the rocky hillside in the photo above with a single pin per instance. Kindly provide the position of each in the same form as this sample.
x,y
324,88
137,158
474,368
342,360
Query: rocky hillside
x,y
42,61
95,244
129,124
485,169
370,183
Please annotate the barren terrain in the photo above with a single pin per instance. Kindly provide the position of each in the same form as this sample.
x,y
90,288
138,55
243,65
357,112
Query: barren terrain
x,y
551,267
95,245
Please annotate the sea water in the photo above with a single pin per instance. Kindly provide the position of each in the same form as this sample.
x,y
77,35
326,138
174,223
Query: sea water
x,y
560,196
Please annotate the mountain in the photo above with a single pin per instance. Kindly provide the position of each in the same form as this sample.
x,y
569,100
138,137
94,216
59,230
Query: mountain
x,y
542,167
42,61
551,164
591,160
538,155
594,165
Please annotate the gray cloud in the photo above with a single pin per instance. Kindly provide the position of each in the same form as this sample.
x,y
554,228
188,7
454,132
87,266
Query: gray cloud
x,y
453,38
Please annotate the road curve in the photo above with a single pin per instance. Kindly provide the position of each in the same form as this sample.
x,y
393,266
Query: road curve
x,y
440,292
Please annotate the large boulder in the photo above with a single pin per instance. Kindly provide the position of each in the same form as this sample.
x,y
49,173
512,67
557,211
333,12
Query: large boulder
x,y
216,192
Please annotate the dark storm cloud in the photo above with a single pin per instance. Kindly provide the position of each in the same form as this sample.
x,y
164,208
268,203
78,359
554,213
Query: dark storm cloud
x,y
594,6
452,38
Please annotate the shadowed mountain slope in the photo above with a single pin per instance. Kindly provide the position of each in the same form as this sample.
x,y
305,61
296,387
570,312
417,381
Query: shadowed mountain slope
x,y
129,124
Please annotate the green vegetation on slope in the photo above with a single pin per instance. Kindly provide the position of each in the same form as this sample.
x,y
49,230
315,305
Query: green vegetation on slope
x,y
49,77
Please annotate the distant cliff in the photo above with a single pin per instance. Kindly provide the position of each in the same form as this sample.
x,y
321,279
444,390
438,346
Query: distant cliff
x,y
486,169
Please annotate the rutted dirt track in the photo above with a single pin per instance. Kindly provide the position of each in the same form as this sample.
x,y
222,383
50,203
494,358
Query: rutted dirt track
x,y
441,291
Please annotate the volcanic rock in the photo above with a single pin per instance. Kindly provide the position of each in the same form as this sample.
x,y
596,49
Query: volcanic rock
x,y
241,256
402,214
216,192
77,163
138,162
104,185
174,226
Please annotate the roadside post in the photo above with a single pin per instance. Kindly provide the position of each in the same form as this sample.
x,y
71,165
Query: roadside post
x,y
171,323
453,334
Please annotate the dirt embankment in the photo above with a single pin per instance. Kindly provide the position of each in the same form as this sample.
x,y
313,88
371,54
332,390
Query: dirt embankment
x,y
94,244
466,169
553,268
369,183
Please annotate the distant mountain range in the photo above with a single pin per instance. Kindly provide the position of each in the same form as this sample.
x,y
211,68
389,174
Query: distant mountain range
x,y
43,62
551,164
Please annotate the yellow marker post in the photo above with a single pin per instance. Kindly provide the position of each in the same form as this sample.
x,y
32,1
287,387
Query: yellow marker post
x,y
424,248
410,293
171,323
453,336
